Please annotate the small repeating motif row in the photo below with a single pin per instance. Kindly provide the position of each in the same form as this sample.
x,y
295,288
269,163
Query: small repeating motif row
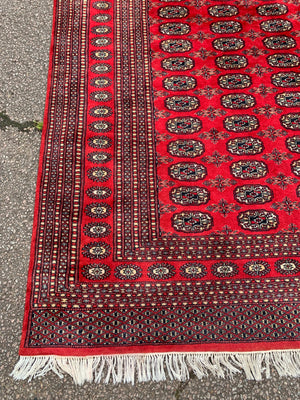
x,y
102,124
196,222
138,325
161,271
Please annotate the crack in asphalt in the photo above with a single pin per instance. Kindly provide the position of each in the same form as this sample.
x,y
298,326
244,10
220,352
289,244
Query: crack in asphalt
x,y
6,121
183,385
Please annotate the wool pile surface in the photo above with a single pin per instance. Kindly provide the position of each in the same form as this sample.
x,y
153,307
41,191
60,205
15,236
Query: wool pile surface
x,y
166,230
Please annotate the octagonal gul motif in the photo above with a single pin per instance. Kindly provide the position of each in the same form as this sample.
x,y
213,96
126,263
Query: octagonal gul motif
x,y
101,112
99,192
99,157
186,148
241,123
97,229
279,42
288,99
101,55
128,272
192,221
275,9
184,171
235,81
102,5
98,210
177,63
100,68
189,195
253,194
101,82
257,268
96,250
283,60
171,12
246,145
224,269
101,96
101,17
100,142
228,44
287,266
193,270
276,25
223,27
101,41
258,220
232,61
223,10
99,174
100,126
293,144
101,30
182,103
291,121
176,45
249,169
179,82
184,125
96,271
161,271
174,28
286,79
238,101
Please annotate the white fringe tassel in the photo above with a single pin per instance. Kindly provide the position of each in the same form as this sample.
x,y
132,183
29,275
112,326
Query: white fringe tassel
x,y
157,367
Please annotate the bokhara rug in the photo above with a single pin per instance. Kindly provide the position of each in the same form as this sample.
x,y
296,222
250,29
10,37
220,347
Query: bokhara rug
x,y
167,219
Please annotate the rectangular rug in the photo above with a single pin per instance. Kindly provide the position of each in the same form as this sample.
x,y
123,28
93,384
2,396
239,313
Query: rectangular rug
x,y
166,229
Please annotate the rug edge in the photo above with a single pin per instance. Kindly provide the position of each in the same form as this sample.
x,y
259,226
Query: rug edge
x,y
158,367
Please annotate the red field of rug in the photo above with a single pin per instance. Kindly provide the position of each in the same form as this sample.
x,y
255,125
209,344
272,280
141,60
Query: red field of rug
x,y
166,230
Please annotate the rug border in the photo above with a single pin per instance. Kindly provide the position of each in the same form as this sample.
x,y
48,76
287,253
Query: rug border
x,y
38,181
122,350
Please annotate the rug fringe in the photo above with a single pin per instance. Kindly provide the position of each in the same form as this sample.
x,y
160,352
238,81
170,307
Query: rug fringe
x,y
157,367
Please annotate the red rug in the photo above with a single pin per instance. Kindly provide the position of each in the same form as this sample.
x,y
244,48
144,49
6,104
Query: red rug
x,y
166,230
